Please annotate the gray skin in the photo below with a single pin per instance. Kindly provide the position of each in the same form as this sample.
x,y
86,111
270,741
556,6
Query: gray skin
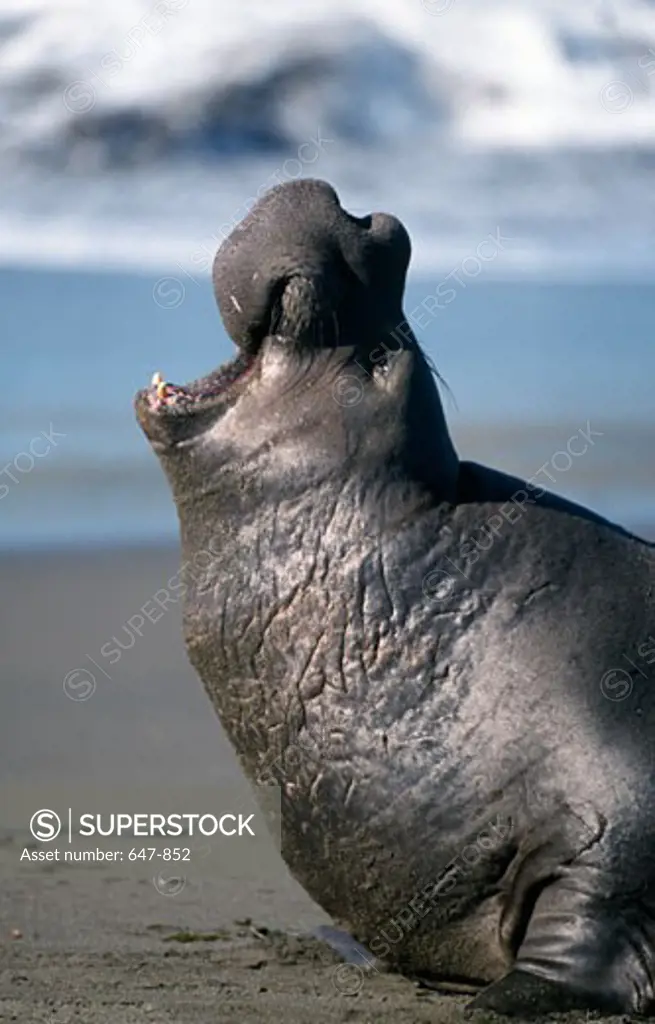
x,y
420,651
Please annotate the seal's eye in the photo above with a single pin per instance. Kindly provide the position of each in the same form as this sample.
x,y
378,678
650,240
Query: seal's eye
x,y
380,361
383,365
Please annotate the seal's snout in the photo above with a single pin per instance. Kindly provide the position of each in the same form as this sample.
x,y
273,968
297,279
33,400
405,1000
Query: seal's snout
x,y
300,269
301,266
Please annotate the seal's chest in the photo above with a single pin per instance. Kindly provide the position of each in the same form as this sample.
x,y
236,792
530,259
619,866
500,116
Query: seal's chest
x,y
305,635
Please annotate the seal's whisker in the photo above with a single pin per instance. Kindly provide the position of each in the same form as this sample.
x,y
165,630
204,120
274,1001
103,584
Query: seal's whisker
x,y
441,379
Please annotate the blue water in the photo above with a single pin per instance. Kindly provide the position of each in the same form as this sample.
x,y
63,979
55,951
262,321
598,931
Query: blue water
x,y
528,364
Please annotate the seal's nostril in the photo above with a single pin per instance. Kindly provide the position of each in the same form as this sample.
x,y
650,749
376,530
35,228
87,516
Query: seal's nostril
x,y
362,222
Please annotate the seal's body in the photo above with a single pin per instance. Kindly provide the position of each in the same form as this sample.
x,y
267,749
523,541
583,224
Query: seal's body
x,y
445,670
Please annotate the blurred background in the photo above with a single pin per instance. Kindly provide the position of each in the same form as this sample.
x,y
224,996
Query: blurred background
x,y
516,139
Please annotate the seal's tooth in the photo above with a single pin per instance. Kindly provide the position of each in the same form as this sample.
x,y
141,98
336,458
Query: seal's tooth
x,y
160,384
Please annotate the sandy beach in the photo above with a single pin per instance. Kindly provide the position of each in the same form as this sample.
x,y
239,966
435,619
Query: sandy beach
x,y
84,943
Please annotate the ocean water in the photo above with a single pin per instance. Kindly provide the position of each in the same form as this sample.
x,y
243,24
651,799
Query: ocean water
x,y
516,139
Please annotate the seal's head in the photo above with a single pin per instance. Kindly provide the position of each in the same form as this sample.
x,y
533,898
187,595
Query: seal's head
x,y
327,369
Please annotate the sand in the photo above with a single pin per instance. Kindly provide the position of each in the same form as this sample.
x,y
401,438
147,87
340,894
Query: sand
x,y
82,943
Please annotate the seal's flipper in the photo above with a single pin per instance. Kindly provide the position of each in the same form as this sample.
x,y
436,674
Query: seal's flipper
x,y
520,994
581,951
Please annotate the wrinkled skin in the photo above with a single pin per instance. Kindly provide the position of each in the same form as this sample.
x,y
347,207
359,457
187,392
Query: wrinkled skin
x,y
462,789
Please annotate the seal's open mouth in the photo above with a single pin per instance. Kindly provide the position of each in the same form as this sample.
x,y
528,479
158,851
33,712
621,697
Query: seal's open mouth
x,y
162,395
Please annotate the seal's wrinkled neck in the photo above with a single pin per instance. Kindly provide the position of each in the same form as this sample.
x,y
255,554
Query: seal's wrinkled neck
x,y
295,442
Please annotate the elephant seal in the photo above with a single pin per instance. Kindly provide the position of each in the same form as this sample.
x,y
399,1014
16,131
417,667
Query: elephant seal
x,y
429,653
